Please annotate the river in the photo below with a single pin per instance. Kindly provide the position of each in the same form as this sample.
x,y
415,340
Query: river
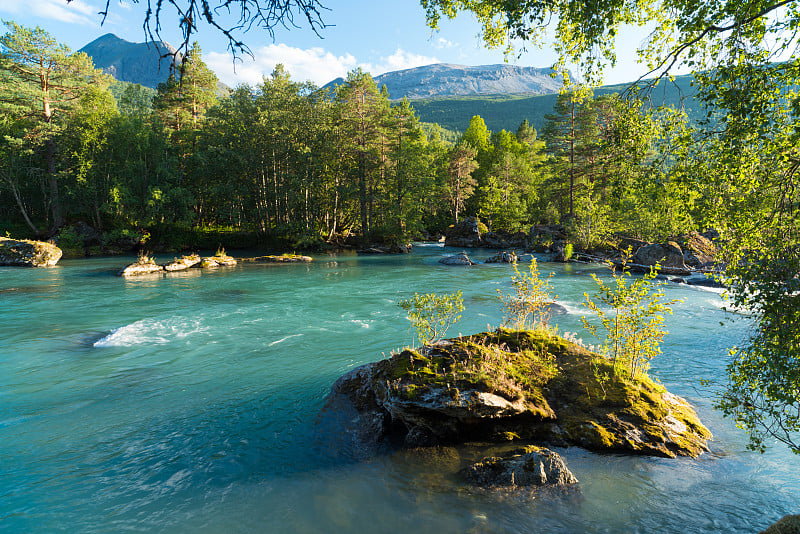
x,y
190,404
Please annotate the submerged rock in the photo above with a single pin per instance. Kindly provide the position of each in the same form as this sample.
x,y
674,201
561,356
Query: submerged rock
x,y
457,259
524,385
27,253
530,466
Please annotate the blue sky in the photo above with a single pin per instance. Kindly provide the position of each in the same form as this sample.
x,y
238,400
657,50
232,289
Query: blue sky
x,y
377,35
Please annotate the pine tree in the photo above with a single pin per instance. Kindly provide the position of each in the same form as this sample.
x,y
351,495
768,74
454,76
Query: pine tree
x,y
569,137
461,184
362,114
40,81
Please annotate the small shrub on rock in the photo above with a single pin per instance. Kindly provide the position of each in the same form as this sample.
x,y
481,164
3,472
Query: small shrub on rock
x,y
634,327
527,307
432,314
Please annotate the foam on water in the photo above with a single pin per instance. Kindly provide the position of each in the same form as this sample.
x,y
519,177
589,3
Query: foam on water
x,y
281,340
151,332
573,308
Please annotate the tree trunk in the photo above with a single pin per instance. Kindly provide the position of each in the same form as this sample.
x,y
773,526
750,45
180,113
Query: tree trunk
x,y
362,195
572,162
52,182
22,209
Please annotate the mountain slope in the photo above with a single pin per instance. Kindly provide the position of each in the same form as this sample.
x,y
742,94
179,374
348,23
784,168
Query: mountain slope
x,y
459,80
507,111
141,63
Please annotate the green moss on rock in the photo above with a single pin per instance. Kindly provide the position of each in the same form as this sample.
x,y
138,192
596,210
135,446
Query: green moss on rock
x,y
789,524
533,385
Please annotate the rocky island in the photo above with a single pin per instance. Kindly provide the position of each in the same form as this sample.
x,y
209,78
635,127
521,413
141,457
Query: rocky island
x,y
526,386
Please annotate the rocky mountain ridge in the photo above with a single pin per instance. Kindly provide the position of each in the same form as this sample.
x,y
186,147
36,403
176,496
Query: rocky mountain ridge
x,y
443,79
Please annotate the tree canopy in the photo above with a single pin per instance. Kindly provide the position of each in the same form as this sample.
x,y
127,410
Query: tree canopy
x,y
584,33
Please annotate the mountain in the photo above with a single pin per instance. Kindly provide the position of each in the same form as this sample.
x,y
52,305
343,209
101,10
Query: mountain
x,y
141,63
443,79
507,111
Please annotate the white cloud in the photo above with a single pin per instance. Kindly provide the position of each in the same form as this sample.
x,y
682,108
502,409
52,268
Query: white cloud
x,y
315,64
76,12
400,60
444,43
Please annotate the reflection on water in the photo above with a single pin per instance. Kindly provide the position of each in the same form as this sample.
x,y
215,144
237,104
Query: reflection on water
x,y
192,403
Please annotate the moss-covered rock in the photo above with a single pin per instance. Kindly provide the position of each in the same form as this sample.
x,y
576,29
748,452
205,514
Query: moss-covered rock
x,y
524,385
27,253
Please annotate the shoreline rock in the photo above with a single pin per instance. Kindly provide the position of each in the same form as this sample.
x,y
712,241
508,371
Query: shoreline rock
x,y
385,249
462,390
28,253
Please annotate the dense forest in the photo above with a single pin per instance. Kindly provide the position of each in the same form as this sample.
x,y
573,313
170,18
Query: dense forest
x,y
288,164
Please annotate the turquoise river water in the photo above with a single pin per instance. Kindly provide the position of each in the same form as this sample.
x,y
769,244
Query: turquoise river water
x,y
191,404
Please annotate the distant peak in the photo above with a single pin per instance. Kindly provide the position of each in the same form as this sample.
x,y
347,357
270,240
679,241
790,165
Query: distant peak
x,y
447,79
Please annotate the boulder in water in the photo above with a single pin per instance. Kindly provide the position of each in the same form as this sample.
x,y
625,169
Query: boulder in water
x,y
27,253
183,263
530,466
526,384
503,257
457,259
219,260
144,265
